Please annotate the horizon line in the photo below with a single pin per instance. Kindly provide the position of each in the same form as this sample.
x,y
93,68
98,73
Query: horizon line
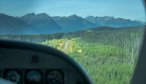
x,y
72,15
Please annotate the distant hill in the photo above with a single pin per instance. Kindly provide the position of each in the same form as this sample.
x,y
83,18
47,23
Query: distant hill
x,y
113,22
12,25
42,22
73,23
89,35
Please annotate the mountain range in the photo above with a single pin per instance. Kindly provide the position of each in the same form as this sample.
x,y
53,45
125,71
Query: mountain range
x,y
12,25
42,23
113,22
73,23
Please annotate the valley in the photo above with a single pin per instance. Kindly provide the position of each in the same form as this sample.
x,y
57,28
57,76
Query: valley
x,y
108,54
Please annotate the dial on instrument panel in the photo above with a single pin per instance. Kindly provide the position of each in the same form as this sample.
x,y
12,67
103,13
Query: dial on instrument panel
x,y
54,77
33,77
13,75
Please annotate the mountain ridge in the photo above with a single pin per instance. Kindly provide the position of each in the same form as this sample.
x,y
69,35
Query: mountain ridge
x,y
73,23
10,24
111,21
42,23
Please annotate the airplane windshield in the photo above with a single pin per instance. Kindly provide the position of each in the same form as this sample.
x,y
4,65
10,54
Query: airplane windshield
x,y
103,36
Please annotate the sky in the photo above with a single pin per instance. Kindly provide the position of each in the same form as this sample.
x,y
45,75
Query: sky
x,y
128,9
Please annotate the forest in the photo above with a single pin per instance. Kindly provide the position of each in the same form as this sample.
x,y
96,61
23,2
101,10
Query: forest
x,y
109,55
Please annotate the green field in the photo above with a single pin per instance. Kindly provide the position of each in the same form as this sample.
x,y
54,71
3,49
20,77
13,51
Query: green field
x,y
108,55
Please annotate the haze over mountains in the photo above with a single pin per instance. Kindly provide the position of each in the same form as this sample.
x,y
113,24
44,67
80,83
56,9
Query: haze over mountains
x,y
73,23
113,22
12,25
32,23
42,22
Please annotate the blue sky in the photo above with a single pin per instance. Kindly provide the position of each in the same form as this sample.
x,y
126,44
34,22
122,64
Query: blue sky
x,y
129,9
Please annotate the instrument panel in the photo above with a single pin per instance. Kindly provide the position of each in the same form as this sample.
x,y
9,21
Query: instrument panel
x,y
34,76
34,67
